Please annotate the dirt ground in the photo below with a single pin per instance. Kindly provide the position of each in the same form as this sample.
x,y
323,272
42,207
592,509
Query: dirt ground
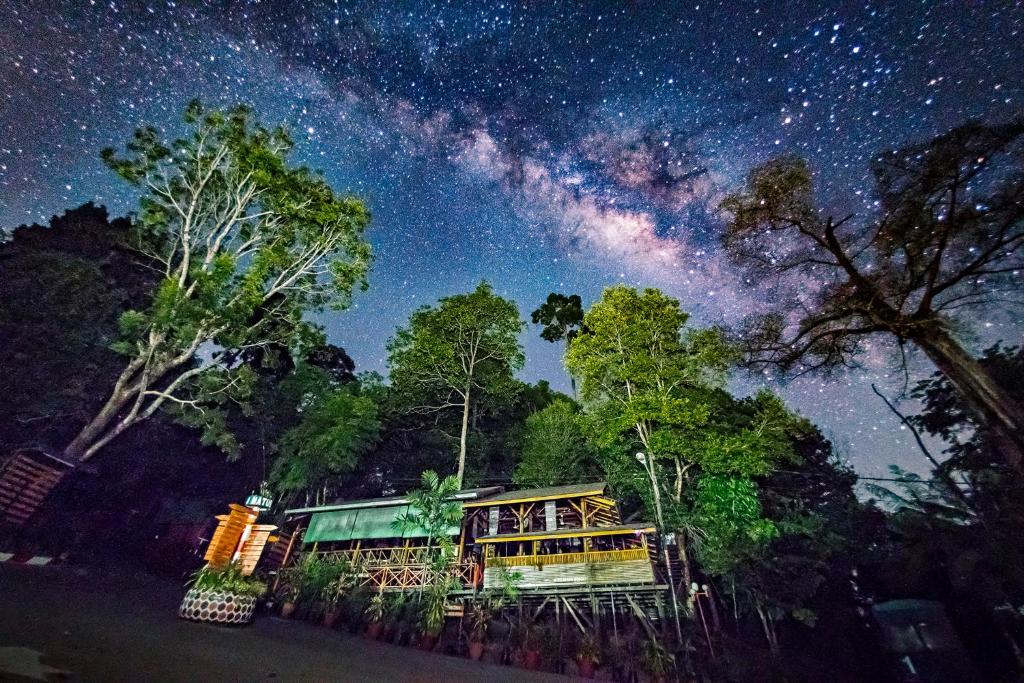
x,y
62,624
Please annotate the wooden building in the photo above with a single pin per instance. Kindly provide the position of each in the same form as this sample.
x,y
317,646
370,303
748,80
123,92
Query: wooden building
x,y
365,533
564,539
560,536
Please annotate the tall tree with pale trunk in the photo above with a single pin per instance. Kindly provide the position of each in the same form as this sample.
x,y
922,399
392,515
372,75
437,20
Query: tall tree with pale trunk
x,y
460,351
946,241
244,245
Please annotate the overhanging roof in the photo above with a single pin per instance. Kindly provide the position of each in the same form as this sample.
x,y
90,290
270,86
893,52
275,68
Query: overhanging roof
x,y
546,493
390,501
617,530
365,523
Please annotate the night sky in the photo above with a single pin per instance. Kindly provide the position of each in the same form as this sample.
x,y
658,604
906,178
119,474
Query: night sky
x,y
538,145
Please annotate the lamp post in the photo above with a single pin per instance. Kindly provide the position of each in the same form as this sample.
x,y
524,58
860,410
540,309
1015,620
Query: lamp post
x,y
648,465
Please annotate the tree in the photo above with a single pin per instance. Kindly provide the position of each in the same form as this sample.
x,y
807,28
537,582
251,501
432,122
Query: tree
x,y
62,289
945,241
562,317
433,509
650,382
452,354
643,374
335,430
244,245
555,449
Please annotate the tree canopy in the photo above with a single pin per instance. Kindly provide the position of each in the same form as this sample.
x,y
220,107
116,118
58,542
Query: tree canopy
x,y
946,240
555,448
464,349
244,245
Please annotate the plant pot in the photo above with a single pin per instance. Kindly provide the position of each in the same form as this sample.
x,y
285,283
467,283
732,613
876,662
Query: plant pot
x,y
331,617
287,609
531,660
586,668
427,642
373,629
217,607
476,651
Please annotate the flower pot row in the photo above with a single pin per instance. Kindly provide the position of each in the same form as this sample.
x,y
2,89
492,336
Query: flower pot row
x,y
378,629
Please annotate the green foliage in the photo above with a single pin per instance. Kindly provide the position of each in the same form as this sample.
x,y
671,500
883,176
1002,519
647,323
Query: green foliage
x,y
62,290
728,513
634,349
555,449
335,430
432,607
652,384
247,245
228,579
309,578
339,576
561,316
377,607
459,353
431,508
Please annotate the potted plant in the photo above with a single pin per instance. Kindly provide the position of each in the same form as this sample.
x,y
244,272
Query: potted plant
x,y
479,621
289,594
222,595
588,654
655,660
531,645
431,621
396,616
299,582
338,578
375,612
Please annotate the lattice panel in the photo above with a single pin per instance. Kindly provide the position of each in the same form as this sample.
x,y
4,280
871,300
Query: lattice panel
x,y
24,484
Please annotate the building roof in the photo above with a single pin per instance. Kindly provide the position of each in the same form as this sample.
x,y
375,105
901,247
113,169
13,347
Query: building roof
x,y
366,523
617,530
390,501
546,493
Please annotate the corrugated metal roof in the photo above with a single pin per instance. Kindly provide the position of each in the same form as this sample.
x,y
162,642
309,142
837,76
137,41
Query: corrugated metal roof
x,y
362,523
388,501
568,533
548,492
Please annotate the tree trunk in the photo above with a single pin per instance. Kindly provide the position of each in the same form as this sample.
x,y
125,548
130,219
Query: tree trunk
x,y
462,438
980,391
94,429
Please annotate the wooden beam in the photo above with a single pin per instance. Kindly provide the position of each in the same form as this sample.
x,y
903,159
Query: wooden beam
x,y
642,617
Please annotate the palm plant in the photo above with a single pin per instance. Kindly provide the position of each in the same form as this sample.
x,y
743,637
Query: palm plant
x,y
432,509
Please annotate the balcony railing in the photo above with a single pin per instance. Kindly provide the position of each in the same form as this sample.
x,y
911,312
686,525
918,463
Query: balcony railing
x,y
569,558
390,568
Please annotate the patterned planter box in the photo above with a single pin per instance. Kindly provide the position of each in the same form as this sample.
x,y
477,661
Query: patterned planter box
x,y
217,607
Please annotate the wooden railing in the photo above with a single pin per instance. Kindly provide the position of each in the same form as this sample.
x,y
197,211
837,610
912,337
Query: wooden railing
x,y
400,567
569,558
383,557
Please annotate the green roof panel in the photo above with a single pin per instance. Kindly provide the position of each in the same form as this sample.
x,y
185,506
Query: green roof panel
x,y
363,523
331,526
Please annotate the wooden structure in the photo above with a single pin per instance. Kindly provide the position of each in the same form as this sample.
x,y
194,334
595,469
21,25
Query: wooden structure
x,y
26,478
560,536
239,539
366,534
565,543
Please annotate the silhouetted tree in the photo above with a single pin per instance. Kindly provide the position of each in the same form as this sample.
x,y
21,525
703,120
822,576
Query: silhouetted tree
x,y
946,240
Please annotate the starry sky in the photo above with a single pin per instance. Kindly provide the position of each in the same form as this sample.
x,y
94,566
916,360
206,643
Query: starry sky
x,y
543,146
